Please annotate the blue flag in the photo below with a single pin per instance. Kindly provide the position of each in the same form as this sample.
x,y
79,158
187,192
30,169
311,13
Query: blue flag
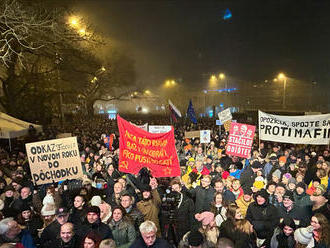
x,y
191,113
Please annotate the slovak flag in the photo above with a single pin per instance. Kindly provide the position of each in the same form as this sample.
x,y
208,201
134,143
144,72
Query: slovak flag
x,y
175,113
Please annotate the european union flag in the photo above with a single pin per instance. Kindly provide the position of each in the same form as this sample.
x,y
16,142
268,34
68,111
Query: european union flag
x,y
227,14
191,113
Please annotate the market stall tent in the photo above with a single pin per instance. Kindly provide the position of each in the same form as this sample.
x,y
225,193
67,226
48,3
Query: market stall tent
x,y
11,127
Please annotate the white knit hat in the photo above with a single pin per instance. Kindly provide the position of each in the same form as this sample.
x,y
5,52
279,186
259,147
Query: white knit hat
x,y
96,200
48,209
48,199
304,235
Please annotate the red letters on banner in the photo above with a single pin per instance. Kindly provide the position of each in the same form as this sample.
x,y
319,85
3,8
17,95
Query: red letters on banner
x,y
139,148
240,139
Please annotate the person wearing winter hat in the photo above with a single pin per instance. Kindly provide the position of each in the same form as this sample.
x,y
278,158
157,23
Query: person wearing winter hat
x,y
244,202
50,233
249,174
300,215
93,223
284,234
263,216
313,185
301,199
276,176
258,184
304,236
96,200
195,238
320,190
208,228
291,184
150,204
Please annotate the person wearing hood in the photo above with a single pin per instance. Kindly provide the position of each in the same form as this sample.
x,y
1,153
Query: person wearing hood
x,y
301,198
263,216
8,197
289,209
283,234
93,223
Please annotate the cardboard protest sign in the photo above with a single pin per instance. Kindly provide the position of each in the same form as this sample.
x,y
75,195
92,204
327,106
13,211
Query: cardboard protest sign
x,y
307,129
240,140
139,149
205,136
54,160
192,134
225,115
227,125
159,129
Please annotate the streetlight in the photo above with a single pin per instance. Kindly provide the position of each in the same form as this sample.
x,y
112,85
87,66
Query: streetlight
x,y
73,21
282,77
222,76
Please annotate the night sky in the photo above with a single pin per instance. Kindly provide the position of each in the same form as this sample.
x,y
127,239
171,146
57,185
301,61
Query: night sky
x,y
190,39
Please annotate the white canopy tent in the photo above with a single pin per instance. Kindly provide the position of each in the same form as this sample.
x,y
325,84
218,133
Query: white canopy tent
x,y
11,127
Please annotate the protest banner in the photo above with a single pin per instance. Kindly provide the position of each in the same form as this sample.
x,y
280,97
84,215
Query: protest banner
x,y
139,149
218,123
225,115
159,129
227,125
307,129
192,134
240,140
63,135
54,160
205,136
143,126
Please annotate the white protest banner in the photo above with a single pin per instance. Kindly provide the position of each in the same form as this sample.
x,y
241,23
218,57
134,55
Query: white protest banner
x,y
225,115
54,160
205,136
308,129
159,129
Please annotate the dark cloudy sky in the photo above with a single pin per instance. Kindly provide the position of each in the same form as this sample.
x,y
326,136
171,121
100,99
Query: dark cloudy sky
x,y
186,39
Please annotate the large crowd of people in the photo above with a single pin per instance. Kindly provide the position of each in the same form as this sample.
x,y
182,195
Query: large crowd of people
x,y
278,197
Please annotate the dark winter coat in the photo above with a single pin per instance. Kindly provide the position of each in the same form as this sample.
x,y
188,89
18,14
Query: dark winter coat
x,y
24,238
297,213
50,234
247,177
33,225
77,216
123,233
203,198
280,240
103,230
136,217
264,219
184,216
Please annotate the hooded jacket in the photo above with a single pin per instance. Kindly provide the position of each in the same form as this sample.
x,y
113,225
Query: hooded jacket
x,y
103,230
264,218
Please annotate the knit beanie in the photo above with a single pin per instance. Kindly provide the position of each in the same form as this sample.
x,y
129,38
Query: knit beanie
x,y
304,235
322,188
96,200
94,209
282,159
48,199
289,195
263,193
259,182
48,209
205,217
287,175
292,180
195,238
277,173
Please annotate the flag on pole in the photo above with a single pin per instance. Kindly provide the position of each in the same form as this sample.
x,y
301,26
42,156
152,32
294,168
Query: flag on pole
x,y
175,113
191,113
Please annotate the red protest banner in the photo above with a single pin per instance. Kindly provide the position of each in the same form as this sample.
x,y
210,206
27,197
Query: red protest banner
x,y
139,148
240,139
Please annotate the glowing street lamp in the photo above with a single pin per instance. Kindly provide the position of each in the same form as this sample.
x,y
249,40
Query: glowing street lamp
x,y
147,92
73,21
222,76
282,77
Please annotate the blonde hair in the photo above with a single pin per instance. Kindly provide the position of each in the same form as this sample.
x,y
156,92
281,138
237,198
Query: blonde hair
x,y
107,243
244,226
